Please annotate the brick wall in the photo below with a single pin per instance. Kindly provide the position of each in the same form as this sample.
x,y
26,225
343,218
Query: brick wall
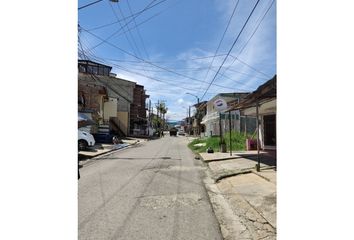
x,y
91,96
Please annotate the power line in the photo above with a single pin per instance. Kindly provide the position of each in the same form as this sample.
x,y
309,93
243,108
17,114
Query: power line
x,y
230,49
235,58
222,38
190,69
253,68
105,84
129,17
139,35
110,63
130,33
197,58
164,68
166,82
183,60
114,33
126,36
137,30
136,73
110,87
166,61
153,78
255,30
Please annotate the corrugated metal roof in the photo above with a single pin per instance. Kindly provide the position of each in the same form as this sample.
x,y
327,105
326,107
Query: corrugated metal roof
x,y
265,92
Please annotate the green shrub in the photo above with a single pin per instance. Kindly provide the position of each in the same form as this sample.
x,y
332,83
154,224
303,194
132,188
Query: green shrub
x,y
238,142
196,148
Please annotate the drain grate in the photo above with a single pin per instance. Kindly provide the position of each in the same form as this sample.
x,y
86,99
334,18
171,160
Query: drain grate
x,y
165,157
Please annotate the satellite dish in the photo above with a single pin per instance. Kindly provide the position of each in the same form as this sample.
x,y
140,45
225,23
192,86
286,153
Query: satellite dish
x,y
220,104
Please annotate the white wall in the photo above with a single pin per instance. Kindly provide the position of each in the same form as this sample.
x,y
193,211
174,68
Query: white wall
x,y
110,109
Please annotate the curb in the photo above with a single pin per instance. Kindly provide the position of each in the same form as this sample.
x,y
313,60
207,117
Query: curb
x,y
218,177
229,158
107,153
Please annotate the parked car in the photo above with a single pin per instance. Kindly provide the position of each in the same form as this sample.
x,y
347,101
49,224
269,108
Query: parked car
x,y
85,140
107,138
181,132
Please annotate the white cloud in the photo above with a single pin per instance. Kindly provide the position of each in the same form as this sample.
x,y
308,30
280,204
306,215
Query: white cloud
x,y
164,85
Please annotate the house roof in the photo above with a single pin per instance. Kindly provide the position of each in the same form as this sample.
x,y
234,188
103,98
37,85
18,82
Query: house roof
x,y
265,92
233,94
89,62
230,95
201,104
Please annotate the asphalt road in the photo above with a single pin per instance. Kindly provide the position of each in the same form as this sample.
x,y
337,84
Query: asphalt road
x,y
151,191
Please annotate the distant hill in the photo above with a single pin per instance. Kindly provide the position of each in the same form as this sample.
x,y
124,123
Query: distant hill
x,y
172,123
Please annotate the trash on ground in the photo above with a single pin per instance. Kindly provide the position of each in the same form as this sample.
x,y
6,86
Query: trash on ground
x,y
199,144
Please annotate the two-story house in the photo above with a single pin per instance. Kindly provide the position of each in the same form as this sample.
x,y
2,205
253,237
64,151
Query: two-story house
x,y
115,107
212,117
138,118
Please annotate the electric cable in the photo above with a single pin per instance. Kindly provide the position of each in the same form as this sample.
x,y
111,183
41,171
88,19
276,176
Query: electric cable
x,y
137,30
164,68
98,59
235,58
114,33
125,33
231,48
222,38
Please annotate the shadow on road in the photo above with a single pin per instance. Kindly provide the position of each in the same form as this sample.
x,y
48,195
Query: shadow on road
x,y
82,157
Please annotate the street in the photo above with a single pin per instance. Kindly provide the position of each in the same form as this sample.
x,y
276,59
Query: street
x,y
151,191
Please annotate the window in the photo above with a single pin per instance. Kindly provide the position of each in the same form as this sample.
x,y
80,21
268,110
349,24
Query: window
x,y
95,70
89,69
106,71
82,68
100,70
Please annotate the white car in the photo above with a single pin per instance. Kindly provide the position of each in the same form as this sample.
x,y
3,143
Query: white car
x,y
85,140
181,132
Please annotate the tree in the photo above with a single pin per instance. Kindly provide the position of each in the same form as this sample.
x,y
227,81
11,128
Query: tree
x,y
161,114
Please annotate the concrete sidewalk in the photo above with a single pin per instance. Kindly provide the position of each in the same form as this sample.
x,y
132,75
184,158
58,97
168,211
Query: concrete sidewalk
x,y
223,165
243,199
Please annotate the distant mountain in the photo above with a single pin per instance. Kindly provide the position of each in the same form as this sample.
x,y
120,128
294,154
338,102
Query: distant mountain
x,y
174,122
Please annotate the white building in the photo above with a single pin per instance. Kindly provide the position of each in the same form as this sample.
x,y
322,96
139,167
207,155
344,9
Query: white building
x,y
211,119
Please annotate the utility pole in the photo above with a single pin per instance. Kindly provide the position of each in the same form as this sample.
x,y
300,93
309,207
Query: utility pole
x,y
197,113
230,133
158,121
189,119
149,111
258,166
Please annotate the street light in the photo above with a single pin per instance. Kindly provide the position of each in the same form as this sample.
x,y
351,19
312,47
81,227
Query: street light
x,y
95,3
194,96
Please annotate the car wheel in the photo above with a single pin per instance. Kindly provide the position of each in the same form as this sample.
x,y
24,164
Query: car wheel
x,y
115,140
82,145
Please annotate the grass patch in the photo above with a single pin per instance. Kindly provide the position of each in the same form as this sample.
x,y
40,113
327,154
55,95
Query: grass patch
x,y
238,142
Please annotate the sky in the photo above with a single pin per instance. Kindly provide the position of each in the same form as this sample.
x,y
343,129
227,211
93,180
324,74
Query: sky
x,y
314,61
175,47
